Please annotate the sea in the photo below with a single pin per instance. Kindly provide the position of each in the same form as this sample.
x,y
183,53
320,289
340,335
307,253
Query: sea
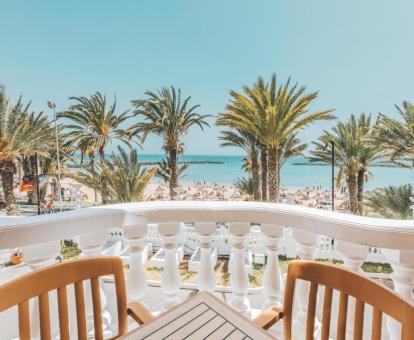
x,y
296,173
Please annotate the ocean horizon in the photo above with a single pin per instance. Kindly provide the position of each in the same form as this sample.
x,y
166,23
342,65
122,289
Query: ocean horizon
x,y
225,169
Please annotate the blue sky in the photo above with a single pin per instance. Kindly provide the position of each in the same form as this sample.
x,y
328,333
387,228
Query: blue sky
x,y
359,55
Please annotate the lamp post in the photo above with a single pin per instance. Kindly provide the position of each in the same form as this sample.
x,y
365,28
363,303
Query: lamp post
x,y
52,105
332,172
37,185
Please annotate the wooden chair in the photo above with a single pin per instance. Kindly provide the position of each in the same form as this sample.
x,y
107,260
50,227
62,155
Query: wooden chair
x,y
59,276
348,283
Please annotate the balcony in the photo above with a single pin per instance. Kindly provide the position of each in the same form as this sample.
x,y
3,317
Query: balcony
x,y
246,232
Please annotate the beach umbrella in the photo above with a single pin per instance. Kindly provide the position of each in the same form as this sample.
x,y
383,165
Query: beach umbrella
x,y
235,195
179,191
299,193
159,190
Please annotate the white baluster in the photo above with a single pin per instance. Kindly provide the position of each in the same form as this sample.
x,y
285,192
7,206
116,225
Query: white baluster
x,y
36,257
272,281
353,256
206,280
91,246
239,278
306,251
134,233
402,263
170,280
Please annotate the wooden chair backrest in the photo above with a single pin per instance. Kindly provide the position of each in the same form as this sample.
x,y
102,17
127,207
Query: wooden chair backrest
x,y
39,283
348,283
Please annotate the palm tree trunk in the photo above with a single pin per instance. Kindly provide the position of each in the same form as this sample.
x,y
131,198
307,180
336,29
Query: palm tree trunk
x,y
255,177
28,170
91,167
173,167
360,193
353,196
263,161
7,171
278,176
104,195
273,174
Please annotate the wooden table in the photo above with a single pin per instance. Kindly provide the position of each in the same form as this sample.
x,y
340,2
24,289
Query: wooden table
x,y
201,317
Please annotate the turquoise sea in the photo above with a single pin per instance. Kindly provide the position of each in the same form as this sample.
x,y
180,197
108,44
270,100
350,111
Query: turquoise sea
x,y
293,176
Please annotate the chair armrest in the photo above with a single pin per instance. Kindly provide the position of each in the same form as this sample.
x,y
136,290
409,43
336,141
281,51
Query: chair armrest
x,y
139,313
269,317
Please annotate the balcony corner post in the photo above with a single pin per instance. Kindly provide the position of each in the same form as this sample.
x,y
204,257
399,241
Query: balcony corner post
x,y
239,277
205,276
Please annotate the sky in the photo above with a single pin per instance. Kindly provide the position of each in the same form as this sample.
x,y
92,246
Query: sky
x,y
358,55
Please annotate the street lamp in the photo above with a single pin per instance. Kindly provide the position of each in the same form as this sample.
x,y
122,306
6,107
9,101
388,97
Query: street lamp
x,y
332,172
52,105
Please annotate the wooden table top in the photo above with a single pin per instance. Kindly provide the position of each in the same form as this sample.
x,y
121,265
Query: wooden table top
x,y
201,317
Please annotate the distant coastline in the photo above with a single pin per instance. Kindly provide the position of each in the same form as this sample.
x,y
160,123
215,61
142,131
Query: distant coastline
x,y
75,166
185,162
373,165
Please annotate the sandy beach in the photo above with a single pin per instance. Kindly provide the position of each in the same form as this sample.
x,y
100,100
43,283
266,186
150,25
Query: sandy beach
x,y
315,197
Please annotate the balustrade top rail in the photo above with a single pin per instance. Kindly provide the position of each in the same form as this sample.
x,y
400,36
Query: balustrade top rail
x,y
377,232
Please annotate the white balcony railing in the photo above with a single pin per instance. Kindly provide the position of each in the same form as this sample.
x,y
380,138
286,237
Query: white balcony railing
x,y
279,229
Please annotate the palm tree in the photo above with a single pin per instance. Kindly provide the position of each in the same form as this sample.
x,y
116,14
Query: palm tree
x,y
345,140
167,115
125,180
249,144
16,141
391,201
245,185
354,152
164,170
41,125
290,147
398,136
369,152
93,124
271,113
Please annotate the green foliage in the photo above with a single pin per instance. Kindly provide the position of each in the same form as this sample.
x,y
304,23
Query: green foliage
x,y
120,178
93,124
167,115
272,113
391,201
164,170
355,150
22,133
69,249
245,185
397,137
249,143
